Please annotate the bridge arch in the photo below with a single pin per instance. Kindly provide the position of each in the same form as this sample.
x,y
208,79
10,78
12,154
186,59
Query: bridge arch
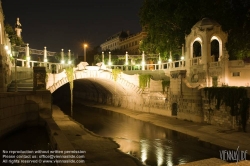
x,y
98,86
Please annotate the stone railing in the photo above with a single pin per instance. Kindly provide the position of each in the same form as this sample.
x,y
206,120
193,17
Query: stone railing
x,y
214,64
161,66
195,61
54,67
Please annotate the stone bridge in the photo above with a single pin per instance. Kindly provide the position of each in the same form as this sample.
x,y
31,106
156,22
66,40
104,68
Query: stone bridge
x,y
99,85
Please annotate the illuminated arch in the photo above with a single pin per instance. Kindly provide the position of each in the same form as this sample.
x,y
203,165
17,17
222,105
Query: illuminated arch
x,y
220,43
198,39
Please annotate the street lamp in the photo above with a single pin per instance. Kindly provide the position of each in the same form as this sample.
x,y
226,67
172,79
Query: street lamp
x,y
85,46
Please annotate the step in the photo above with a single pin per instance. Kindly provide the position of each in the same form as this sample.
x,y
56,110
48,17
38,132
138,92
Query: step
x,y
21,85
20,89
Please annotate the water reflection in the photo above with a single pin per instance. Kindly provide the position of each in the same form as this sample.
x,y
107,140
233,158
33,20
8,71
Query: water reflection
x,y
153,145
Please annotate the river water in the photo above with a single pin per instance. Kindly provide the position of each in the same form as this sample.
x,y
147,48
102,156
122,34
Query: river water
x,y
153,145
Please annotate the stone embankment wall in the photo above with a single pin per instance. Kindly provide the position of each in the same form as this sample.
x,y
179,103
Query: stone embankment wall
x,y
5,69
220,117
183,100
26,108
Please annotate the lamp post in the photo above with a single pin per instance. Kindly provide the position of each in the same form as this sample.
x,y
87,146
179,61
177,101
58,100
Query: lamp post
x,y
84,47
69,58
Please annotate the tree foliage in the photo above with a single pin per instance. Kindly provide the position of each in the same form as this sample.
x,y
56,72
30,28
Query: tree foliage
x,y
168,21
14,39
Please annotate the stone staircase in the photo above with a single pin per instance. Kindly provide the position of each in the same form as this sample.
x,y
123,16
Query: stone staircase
x,y
22,85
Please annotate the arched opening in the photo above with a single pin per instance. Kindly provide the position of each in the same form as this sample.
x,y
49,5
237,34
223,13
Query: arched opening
x,y
174,109
196,49
215,52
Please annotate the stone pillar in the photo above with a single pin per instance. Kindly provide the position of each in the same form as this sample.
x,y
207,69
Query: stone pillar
x,y
39,77
159,61
62,57
182,50
45,55
224,65
188,56
126,60
109,63
182,56
69,57
103,58
205,58
27,51
170,60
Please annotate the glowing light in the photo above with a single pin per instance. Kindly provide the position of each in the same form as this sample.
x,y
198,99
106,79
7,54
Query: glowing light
x,y
28,58
69,62
144,150
170,60
126,63
182,57
159,62
45,60
62,61
110,63
6,47
142,63
159,152
8,52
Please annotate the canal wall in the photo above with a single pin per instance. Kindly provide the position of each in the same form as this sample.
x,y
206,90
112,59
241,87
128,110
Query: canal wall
x,y
23,108
182,99
221,117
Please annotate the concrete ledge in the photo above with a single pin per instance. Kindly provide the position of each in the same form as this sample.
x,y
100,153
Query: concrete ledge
x,y
58,140
206,162
216,162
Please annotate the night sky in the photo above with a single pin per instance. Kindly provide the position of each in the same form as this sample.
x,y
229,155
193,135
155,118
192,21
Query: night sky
x,y
59,24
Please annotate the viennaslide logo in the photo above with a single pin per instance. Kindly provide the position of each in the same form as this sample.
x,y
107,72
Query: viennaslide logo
x,y
233,155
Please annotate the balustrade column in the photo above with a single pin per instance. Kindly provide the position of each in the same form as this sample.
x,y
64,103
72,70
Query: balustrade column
x,y
103,58
109,63
159,61
62,57
126,60
45,55
27,56
69,57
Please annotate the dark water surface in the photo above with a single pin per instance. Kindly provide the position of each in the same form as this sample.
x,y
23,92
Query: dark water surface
x,y
153,145
26,138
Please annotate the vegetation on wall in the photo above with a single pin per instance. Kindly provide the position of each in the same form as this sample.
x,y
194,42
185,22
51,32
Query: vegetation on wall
x,y
14,39
144,81
230,96
165,83
115,73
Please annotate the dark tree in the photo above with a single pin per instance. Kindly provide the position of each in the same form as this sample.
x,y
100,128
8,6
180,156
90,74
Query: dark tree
x,y
168,21
14,39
